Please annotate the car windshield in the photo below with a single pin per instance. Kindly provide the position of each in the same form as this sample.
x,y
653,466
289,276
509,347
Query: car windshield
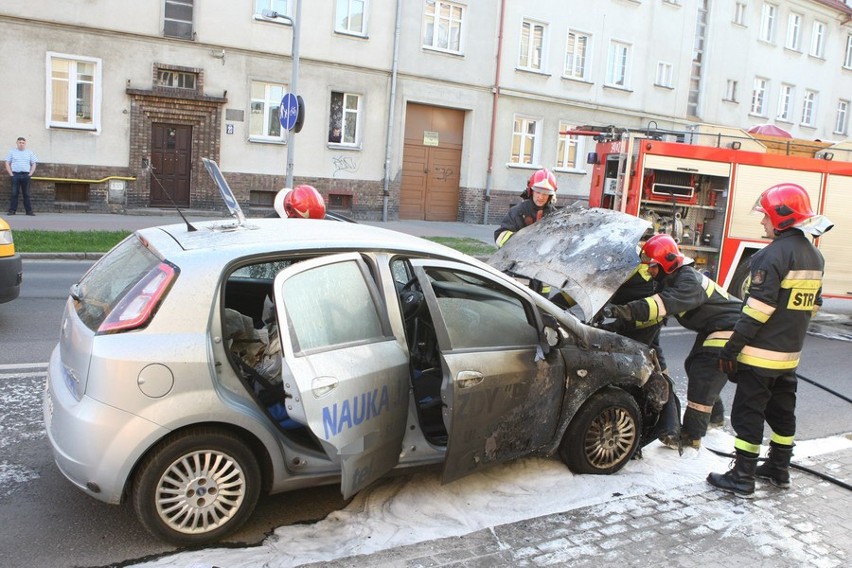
x,y
110,279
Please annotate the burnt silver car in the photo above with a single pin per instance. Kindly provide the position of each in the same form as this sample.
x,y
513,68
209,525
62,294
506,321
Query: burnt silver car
x,y
199,369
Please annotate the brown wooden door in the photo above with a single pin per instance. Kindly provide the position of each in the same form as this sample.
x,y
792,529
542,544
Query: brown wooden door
x,y
431,163
171,158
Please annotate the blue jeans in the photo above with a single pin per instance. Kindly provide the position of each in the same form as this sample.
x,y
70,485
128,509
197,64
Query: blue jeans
x,y
21,181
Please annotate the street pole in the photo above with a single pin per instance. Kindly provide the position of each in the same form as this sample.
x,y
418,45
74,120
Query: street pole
x,y
294,79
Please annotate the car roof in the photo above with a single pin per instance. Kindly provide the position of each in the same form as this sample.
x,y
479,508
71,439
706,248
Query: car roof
x,y
275,234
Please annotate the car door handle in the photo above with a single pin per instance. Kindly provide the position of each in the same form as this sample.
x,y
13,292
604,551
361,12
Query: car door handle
x,y
467,379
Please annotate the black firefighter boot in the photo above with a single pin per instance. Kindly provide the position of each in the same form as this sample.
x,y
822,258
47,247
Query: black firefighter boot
x,y
739,480
776,468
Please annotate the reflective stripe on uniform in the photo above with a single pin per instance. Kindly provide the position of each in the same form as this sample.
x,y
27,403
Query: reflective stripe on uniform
x,y
767,359
781,440
746,447
503,237
656,307
810,279
757,310
699,407
717,339
649,323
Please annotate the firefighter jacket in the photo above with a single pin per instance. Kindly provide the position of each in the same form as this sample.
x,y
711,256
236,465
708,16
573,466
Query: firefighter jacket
x,y
640,284
698,304
784,289
519,216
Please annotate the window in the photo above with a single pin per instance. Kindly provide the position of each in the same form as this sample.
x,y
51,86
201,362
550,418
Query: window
x,y
443,22
664,74
74,93
532,45
758,97
576,55
344,120
818,39
785,103
809,108
265,105
280,6
176,79
841,120
847,60
768,14
568,148
177,19
794,31
524,147
350,17
739,13
618,64
731,91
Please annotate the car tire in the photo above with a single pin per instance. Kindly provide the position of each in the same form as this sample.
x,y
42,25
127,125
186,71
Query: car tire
x,y
604,433
738,281
196,487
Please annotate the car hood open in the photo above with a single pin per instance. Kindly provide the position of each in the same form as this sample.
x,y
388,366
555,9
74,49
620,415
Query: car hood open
x,y
587,253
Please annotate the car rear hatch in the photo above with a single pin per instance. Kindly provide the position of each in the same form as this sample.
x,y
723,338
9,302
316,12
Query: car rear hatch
x,y
119,293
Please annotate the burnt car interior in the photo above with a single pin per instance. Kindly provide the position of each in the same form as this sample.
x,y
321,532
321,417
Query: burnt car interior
x,y
475,313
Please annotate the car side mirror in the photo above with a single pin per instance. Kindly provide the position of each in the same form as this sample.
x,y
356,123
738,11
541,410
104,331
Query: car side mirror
x,y
550,332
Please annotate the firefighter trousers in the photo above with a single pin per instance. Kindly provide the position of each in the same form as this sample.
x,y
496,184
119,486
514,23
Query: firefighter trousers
x,y
758,399
705,382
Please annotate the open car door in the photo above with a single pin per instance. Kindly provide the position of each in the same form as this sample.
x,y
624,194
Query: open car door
x,y
501,396
345,374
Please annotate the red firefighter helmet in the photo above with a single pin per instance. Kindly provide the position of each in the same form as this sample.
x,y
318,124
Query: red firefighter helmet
x,y
662,250
786,204
543,181
304,202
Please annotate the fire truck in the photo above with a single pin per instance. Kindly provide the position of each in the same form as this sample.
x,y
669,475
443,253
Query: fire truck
x,y
700,187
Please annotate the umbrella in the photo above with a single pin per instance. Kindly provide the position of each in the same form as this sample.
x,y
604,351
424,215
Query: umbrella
x,y
769,130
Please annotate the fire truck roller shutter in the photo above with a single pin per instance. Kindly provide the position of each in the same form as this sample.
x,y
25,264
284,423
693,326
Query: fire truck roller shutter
x,y
836,245
687,165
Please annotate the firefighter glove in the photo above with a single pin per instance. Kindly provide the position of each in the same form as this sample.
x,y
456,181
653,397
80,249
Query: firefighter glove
x,y
728,362
618,312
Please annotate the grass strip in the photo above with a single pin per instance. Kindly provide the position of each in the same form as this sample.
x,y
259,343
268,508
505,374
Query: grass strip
x,y
67,241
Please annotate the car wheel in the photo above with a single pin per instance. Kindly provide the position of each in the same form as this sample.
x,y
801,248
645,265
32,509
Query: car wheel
x,y
196,487
604,434
738,281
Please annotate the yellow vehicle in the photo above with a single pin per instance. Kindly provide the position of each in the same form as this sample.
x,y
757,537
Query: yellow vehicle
x,y
10,265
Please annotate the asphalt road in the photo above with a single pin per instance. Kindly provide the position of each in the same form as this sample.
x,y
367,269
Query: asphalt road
x,y
45,521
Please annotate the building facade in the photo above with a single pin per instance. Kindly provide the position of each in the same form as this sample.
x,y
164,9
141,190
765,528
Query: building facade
x,y
413,109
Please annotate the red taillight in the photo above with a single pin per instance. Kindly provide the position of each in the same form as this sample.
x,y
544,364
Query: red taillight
x,y
137,306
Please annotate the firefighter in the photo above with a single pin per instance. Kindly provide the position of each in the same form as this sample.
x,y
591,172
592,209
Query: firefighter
x,y
301,202
784,289
539,200
698,304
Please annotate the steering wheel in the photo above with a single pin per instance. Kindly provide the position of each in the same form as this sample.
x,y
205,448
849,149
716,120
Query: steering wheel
x,y
411,298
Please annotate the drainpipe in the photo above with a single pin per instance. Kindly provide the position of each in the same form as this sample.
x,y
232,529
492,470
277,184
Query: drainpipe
x,y
496,97
391,107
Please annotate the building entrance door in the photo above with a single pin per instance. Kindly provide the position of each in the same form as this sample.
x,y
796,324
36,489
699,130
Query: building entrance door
x,y
431,163
171,159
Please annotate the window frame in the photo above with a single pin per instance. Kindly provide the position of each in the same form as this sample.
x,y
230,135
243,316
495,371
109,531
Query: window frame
x,y
847,59
434,18
759,102
71,100
359,117
260,5
786,96
618,50
665,75
768,22
740,11
191,21
841,117
731,87
794,31
819,31
564,143
364,17
809,104
281,138
526,121
527,62
585,70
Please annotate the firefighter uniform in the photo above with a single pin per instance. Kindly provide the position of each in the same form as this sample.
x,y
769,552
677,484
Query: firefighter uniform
x,y
700,305
784,289
519,216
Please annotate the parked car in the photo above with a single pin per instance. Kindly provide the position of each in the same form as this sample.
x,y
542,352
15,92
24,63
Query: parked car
x,y
11,273
198,369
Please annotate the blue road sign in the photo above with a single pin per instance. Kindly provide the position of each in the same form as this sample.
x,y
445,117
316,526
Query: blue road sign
x,y
288,112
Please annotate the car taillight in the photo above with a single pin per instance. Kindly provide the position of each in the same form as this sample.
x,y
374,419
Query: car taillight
x,y
137,307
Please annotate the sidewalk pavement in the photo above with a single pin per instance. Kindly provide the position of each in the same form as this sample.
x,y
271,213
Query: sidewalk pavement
x,y
699,527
